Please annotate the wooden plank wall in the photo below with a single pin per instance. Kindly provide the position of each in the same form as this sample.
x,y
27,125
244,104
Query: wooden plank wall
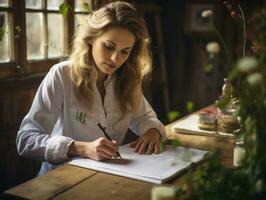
x,y
15,101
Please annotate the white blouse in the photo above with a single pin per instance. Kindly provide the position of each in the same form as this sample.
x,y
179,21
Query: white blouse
x,y
57,118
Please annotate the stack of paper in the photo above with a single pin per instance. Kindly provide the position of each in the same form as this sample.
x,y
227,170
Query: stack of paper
x,y
189,125
151,168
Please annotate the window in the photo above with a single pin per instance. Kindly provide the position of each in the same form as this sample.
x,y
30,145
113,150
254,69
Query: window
x,y
36,35
5,24
81,9
43,18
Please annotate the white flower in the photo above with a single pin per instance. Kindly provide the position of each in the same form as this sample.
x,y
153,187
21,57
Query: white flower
x,y
207,13
213,47
254,79
247,64
259,185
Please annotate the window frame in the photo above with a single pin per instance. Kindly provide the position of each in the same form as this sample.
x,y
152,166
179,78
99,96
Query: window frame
x,y
19,66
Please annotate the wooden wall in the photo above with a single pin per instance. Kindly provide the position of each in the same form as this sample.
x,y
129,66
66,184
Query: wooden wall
x,y
186,55
15,100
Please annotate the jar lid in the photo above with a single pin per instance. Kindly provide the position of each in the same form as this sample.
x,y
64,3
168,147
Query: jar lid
x,y
239,143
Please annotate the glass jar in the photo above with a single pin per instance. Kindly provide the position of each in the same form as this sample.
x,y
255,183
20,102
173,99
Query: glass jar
x,y
239,153
163,192
228,123
207,121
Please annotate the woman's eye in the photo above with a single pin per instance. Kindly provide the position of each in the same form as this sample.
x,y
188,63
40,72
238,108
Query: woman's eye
x,y
109,47
125,52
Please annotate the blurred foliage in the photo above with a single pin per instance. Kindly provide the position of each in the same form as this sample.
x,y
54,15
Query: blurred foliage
x,y
208,68
190,106
214,181
18,31
64,9
2,32
173,115
173,143
223,101
86,7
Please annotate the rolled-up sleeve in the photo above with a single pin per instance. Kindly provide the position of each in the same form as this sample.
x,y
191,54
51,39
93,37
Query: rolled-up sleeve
x,y
145,118
34,139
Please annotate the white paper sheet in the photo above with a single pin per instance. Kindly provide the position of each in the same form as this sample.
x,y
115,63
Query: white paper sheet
x,y
151,168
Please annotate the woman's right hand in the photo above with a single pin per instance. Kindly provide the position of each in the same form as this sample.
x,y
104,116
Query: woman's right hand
x,y
99,149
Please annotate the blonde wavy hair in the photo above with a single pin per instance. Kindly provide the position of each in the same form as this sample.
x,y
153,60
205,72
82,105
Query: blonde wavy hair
x,y
129,76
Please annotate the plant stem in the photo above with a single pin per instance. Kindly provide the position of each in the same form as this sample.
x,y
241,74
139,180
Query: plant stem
x,y
244,29
2,32
223,45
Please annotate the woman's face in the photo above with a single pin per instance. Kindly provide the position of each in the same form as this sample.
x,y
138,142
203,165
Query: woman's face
x,y
112,49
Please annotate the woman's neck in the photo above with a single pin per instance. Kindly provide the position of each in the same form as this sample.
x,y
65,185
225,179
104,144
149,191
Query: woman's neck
x,y
101,77
100,83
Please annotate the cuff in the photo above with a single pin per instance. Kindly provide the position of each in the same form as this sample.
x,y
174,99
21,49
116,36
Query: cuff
x,y
156,124
57,149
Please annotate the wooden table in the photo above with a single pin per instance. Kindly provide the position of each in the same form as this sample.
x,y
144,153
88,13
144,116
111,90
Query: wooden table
x,y
70,182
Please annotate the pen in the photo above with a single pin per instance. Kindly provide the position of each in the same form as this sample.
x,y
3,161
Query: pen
x,y
107,136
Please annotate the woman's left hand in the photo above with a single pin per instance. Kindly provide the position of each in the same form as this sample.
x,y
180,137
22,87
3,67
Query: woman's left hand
x,y
148,143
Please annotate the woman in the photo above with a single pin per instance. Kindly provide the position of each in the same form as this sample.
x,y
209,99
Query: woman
x,y
101,82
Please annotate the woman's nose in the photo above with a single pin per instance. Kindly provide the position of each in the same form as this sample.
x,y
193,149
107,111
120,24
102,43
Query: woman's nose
x,y
115,57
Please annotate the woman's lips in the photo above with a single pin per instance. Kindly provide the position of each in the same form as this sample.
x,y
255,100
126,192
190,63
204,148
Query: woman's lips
x,y
111,65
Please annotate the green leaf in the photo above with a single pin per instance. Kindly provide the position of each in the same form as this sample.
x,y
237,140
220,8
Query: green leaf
x,y
162,146
234,74
221,103
63,9
2,32
173,115
190,106
86,7
175,143
18,31
208,68
179,191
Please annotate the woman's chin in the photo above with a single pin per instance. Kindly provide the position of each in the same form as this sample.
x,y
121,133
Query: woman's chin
x,y
109,70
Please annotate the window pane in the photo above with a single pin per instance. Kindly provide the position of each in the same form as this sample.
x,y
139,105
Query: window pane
x,y
4,3
80,19
55,35
5,44
54,4
35,36
34,4
79,5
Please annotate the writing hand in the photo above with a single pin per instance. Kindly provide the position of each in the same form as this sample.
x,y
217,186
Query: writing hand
x,y
99,149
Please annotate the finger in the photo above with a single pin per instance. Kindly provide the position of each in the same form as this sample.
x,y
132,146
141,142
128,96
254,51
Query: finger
x,y
114,142
109,144
138,145
150,148
111,152
103,155
157,148
133,144
142,148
